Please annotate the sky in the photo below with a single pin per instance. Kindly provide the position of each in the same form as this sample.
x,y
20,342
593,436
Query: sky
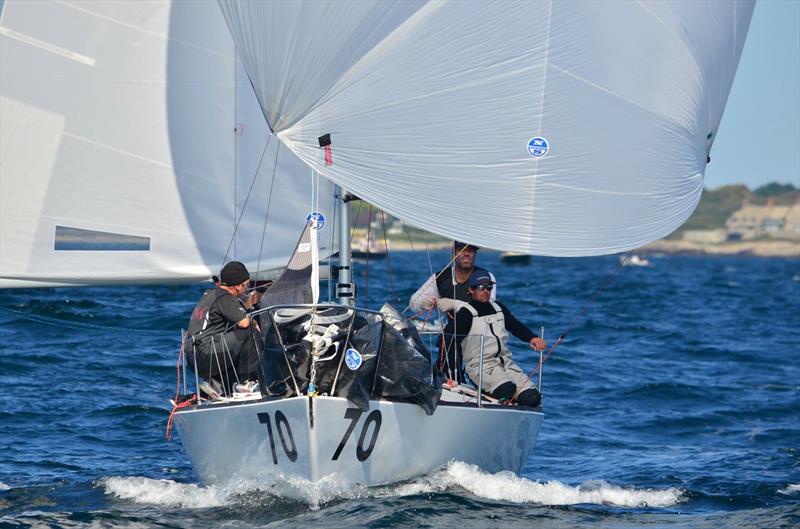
x,y
759,136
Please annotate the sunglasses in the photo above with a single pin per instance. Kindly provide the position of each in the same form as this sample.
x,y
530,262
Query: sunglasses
x,y
483,287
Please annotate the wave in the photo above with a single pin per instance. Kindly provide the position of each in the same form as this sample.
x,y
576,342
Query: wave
x,y
791,488
163,492
3,486
502,486
507,486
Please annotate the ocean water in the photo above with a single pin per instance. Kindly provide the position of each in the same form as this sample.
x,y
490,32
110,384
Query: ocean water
x,y
675,402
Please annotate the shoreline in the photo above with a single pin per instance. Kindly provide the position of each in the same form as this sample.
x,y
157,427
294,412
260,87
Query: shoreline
x,y
777,248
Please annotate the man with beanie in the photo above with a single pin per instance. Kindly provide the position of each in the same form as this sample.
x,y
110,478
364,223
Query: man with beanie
x,y
501,377
224,345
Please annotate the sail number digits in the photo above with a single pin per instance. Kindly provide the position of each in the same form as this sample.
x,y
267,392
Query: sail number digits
x,y
362,452
363,448
284,431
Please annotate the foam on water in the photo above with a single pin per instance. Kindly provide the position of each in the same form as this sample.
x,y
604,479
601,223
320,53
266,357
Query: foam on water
x,y
502,486
190,496
162,492
3,486
507,486
791,488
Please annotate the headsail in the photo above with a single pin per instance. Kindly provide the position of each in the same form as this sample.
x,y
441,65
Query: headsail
x,y
130,140
553,128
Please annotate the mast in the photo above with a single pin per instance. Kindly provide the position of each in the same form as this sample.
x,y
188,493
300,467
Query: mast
x,y
344,286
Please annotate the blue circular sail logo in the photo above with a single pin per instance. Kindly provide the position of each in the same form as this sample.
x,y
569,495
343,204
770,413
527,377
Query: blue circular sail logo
x,y
538,146
353,359
318,216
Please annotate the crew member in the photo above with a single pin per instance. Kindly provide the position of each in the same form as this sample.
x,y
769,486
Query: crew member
x,y
449,290
224,342
502,378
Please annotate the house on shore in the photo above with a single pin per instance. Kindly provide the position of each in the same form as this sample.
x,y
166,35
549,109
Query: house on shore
x,y
752,222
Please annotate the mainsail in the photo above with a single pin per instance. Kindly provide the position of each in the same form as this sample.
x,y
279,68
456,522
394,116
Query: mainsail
x,y
133,149
552,128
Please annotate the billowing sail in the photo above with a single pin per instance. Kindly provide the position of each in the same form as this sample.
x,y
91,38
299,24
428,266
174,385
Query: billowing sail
x,y
552,128
132,146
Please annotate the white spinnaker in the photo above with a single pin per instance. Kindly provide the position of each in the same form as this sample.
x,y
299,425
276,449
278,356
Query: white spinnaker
x,y
431,105
131,125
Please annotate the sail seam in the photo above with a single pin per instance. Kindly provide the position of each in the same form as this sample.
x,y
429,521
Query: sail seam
x,y
387,42
618,96
541,108
599,191
140,29
683,44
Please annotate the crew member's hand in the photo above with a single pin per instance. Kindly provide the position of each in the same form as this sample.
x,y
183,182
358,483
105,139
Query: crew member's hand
x,y
538,344
250,300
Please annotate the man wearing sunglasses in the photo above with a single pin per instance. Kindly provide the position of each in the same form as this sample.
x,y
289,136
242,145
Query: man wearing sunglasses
x,y
449,291
502,378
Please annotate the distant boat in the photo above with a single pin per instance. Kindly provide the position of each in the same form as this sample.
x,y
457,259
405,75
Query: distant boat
x,y
635,260
363,251
514,258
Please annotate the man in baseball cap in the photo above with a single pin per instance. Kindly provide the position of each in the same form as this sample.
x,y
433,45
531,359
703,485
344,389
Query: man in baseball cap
x,y
501,377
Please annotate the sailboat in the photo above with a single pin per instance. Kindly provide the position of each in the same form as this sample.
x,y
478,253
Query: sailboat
x,y
546,128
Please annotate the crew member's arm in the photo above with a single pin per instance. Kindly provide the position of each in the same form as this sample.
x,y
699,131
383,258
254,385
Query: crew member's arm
x,y
233,311
520,330
424,298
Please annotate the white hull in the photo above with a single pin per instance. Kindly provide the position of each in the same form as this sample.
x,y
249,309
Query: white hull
x,y
311,439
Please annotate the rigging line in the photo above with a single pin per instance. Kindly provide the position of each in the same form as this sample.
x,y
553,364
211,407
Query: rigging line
x,y
388,257
269,204
366,265
440,271
584,310
247,198
410,242
355,223
58,322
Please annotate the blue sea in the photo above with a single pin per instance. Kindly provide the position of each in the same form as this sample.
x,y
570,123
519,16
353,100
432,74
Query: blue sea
x,y
674,402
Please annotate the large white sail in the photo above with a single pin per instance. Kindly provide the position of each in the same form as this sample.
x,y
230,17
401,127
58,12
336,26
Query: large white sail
x,y
129,140
553,128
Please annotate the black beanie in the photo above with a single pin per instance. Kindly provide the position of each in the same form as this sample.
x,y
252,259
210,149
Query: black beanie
x,y
233,273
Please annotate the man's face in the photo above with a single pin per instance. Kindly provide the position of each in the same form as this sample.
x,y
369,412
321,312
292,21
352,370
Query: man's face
x,y
481,293
465,259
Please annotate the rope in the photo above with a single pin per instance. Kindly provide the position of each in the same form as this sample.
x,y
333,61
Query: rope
x,y
80,325
442,270
247,198
584,310
185,404
388,257
177,405
269,204
366,264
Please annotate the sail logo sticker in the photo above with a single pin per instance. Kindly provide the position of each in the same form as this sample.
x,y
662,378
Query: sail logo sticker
x,y
353,359
319,217
538,146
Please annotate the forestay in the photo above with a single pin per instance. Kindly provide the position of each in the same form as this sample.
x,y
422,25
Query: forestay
x,y
130,138
553,128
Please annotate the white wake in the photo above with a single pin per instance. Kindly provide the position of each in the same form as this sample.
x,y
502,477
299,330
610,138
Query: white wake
x,y
503,486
